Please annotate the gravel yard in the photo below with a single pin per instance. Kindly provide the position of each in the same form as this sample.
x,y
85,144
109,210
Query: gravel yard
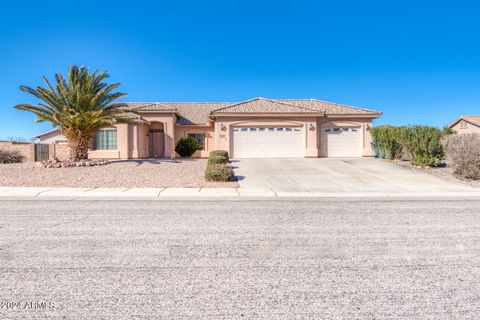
x,y
441,172
127,174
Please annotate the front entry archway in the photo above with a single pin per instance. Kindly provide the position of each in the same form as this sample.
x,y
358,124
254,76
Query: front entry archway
x,y
156,140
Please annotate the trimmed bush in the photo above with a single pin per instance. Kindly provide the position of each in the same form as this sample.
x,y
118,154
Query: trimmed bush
x,y
218,172
187,146
463,154
10,157
217,160
221,153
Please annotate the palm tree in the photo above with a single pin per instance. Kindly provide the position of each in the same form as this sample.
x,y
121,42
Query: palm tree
x,y
78,105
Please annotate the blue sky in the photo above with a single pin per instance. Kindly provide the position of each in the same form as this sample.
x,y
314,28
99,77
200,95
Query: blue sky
x,y
417,61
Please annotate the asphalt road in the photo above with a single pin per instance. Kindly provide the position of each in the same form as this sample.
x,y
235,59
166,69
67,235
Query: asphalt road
x,y
324,259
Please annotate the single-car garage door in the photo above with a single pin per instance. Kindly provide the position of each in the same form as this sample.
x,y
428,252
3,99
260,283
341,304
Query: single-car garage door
x,y
341,142
267,142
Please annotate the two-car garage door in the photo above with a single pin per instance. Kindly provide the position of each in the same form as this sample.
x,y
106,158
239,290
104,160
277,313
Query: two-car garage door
x,y
267,142
271,142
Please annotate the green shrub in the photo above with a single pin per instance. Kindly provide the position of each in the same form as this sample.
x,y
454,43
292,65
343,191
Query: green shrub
x,y
222,153
187,146
217,160
463,154
10,157
386,142
420,144
218,172
423,145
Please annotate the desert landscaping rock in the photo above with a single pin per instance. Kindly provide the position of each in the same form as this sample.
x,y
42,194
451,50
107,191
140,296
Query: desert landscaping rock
x,y
117,174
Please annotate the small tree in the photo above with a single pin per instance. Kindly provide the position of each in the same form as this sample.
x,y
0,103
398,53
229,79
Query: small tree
x,y
187,146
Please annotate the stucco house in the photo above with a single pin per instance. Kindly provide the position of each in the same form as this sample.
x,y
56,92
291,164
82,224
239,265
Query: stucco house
x,y
258,127
466,124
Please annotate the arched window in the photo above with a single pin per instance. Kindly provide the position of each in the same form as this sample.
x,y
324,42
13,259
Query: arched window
x,y
105,139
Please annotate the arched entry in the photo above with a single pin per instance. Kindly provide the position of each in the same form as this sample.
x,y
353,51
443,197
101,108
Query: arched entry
x,y
156,140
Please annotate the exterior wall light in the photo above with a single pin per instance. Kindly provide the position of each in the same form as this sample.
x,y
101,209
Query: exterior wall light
x,y
223,127
312,127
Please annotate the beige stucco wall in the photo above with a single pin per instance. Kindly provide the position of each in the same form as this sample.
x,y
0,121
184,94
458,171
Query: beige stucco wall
x,y
467,127
312,128
223,137
181,131
132,139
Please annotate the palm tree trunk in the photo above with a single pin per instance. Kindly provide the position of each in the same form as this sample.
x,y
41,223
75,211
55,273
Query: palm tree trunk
x,y
79,148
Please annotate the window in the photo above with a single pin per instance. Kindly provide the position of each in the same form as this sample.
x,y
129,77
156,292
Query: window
x,y
271,129
336,129
105,139
200,137
244,129
288,129
279,129
253,129
354,130
463,125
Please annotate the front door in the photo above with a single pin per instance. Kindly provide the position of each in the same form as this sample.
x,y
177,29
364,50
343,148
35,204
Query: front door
x,y
156,144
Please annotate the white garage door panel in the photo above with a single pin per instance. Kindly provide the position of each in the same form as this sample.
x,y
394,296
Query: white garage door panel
x,y
267,142
342,142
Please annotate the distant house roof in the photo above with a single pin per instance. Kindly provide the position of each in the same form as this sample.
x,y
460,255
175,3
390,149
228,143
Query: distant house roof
x,y
191,113
475,120
39,136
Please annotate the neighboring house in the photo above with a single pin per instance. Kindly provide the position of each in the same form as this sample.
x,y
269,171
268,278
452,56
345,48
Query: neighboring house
x,y
52,136
258,127
466,124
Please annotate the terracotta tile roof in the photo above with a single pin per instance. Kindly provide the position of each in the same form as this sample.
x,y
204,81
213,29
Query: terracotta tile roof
x,y
149,106
133,117
190,113
195,112
265,106
472,119
330,108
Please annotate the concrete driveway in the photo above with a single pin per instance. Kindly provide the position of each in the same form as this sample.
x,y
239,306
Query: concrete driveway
x,y
310,176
